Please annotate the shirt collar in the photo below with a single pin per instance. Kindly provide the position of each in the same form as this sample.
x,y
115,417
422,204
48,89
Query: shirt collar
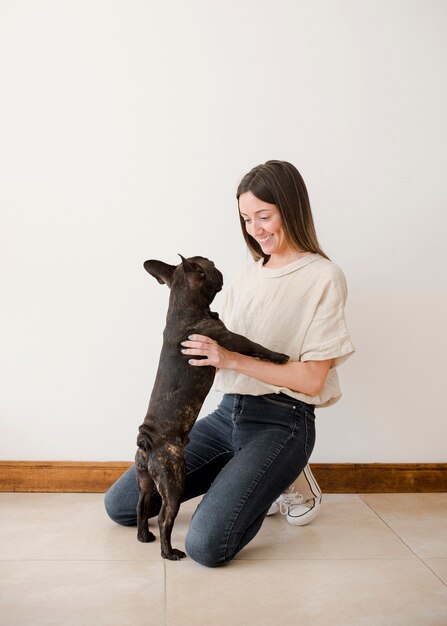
x,y
276,272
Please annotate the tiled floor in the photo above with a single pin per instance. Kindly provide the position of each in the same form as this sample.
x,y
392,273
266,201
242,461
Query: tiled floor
x,y
371,560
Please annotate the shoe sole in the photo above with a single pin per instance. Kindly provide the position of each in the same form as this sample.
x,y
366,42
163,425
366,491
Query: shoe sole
x,y
305,518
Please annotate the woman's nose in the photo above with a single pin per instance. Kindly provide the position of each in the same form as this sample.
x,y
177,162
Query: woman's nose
x,y
258,229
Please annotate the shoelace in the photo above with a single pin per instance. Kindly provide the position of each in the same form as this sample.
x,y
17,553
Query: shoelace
x,y
288,499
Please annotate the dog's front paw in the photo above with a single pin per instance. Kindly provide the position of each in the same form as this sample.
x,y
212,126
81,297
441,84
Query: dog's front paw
x,y
278,357
173,555
145,536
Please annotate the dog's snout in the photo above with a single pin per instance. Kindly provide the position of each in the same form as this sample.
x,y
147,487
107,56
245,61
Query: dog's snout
x,y
219,280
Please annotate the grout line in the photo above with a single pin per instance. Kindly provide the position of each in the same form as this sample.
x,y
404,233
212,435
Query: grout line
x,y
68,560
236,560
404,542
165,594
433,572
388,526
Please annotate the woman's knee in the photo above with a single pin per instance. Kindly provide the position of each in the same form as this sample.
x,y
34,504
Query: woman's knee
x,y
117,512
120,501
110,506
205,543
201,551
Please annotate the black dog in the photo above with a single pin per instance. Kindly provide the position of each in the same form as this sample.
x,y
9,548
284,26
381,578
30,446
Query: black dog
x,y
180,389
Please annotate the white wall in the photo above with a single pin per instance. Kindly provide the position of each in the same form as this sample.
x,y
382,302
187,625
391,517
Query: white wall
x,y
125,127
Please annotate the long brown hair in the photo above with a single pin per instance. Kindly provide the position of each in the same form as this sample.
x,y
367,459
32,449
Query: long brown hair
x,y
280,183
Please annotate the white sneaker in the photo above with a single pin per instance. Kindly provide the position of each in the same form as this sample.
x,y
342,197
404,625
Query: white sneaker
x,y
274,508
291,503
298,512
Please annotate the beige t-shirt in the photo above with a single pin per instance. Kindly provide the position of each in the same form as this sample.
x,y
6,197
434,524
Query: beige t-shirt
x,y
297,309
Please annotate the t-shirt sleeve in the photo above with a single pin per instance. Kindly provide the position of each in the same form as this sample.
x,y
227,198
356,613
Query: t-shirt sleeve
x,y
327,336
227,303
229,299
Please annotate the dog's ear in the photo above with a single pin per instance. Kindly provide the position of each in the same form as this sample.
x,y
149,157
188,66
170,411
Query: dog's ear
x,y
193,271
161,271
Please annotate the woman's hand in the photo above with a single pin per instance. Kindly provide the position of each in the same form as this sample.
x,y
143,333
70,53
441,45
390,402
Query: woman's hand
x,y
199,345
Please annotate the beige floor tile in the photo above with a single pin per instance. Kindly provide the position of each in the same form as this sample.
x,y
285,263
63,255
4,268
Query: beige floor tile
x,y
345,528
439,566
65,562
358,592
420,519
89,593
69,527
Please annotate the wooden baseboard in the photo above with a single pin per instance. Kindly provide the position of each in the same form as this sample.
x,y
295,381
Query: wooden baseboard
x,y
381,477
60,476
96,477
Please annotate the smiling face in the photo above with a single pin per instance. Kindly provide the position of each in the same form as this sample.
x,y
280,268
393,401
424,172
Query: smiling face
x,y
263,222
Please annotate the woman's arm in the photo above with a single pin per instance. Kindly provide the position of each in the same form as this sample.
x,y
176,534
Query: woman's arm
x,y
302,376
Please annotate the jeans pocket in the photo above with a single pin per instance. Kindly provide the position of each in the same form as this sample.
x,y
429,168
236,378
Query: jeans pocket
x,y
309,432
310,415
238,405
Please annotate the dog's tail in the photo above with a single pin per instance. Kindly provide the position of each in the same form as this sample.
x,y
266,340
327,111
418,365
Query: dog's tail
x,y
145,437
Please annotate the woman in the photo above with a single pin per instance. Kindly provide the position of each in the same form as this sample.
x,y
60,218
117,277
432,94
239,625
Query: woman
x,y
249,451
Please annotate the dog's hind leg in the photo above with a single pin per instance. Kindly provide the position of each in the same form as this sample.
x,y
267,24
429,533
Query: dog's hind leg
x,y
170,483
145,484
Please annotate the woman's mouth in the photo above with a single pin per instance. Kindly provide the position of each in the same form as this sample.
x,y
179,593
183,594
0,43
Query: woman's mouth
x,y
265,240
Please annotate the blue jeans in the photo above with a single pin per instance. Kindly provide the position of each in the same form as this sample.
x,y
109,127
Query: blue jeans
x,y
242,457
